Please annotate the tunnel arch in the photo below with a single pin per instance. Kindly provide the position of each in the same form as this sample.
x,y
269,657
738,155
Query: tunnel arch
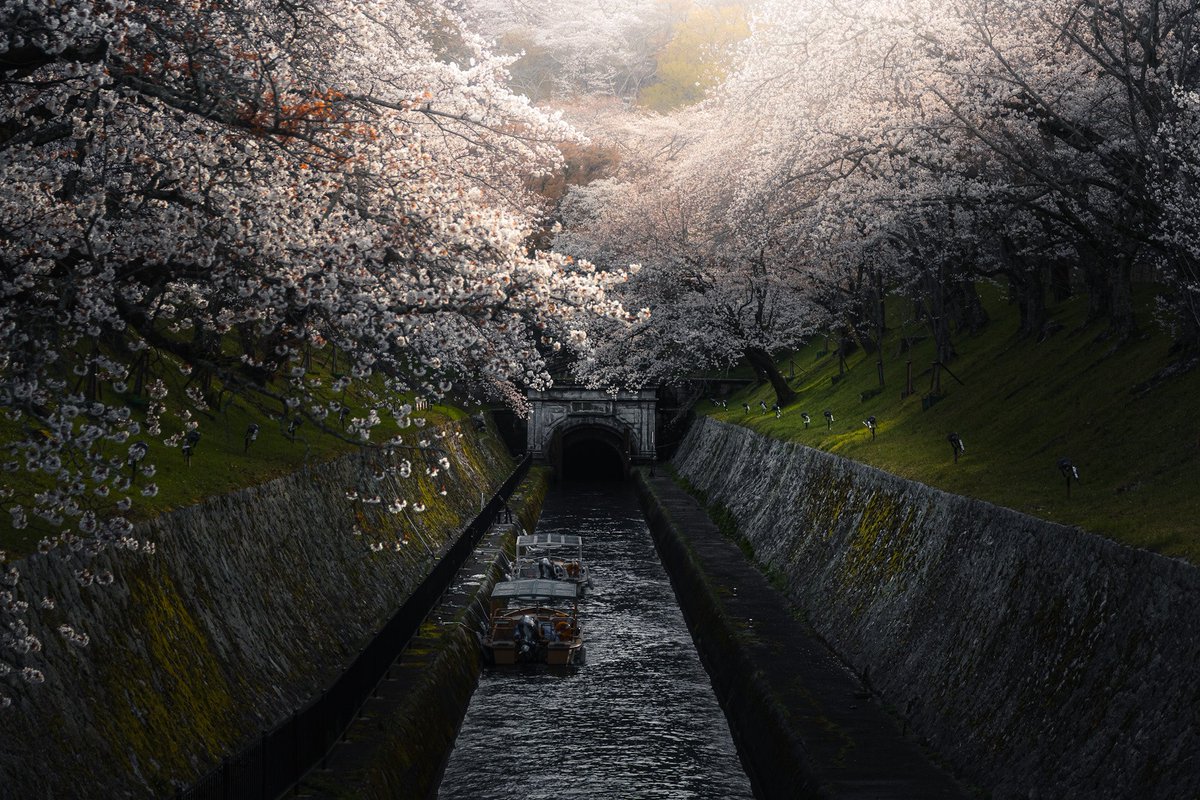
x,y
590,449
570,425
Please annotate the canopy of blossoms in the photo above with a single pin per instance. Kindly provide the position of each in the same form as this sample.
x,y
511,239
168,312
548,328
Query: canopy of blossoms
x,y
913,147
205,194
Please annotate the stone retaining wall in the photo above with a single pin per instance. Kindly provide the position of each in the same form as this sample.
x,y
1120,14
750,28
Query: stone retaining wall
x,y
1042,661
399,746
253,601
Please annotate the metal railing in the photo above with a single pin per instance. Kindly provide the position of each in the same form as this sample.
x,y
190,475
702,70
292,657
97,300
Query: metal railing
x,y
281,757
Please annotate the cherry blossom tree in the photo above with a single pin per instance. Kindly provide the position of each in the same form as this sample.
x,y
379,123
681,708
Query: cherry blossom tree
x,y
1028,133
1073,96
212,193
1173,182
716,293
736,215
914,147
579,47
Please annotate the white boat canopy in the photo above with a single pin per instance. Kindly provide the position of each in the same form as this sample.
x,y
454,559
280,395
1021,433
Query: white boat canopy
x,y
536,589
550,540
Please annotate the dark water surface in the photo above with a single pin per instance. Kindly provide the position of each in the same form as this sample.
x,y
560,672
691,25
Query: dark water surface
x,y
638,720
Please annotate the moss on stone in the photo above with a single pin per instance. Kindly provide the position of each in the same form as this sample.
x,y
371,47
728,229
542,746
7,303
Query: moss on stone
x,y
880,549
173,681
413,741
177,704
823,499
527,501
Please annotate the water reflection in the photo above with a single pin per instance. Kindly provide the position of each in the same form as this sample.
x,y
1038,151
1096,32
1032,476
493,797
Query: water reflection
x,y
638,720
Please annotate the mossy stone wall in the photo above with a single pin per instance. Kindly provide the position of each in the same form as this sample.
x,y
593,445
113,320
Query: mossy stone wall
x,y
400,744
251,604
1041,660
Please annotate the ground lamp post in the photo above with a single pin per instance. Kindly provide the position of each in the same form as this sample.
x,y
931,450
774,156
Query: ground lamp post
x,y
251,435
828,419
956,443
870,423
805,418
189,445
137,453
1069,471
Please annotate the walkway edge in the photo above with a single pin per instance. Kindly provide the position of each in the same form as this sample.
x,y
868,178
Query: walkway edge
x,y
399,745
805,727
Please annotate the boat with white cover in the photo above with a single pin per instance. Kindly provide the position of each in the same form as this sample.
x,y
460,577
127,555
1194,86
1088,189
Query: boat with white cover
x,y
534,621
555,556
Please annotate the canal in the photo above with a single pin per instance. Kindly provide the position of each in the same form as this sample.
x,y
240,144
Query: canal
x,y
639,719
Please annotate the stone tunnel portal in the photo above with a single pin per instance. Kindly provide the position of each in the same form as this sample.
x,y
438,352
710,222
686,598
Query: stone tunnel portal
x,y
592,453
584,433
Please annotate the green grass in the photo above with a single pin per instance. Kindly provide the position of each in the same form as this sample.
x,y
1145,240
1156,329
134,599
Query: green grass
x,y
1022,406
221,463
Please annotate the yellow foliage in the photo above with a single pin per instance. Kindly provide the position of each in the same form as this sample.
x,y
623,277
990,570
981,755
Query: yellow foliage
x,y
697,57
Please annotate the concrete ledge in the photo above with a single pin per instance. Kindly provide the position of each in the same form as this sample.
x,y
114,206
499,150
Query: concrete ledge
x,y
805,726
253,602
1039,660
398,746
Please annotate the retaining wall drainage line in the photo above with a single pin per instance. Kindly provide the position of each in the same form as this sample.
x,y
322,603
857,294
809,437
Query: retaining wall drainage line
x,y
804,725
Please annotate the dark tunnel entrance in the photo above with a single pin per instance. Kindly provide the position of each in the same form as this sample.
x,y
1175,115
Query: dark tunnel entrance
x,y
592,454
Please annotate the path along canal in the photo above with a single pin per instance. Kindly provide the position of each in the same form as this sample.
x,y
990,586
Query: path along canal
x,y
639,719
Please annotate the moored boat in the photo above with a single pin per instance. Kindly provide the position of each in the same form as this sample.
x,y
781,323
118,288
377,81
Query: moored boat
x,y
553,556
534,621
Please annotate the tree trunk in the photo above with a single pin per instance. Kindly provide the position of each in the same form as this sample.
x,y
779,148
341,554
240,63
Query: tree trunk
x,y
846,345
1034,315
880,308
1187,340
870,333
764,365
1060,279
140,369
1121,322
970,317
868,343
936,316
1187,303
1096,279
1031,301
1179,293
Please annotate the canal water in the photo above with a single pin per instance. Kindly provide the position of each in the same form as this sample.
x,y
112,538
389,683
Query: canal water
x,y
638,720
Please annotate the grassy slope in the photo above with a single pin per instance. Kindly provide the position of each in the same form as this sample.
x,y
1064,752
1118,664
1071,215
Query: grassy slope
x,y
1023,406
221,463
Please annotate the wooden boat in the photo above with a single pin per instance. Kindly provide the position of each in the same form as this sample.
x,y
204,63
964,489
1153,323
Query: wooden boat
x,y
555,556
534,621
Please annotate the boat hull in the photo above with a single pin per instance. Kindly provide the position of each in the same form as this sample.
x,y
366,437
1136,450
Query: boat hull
x,y
563,653
502,653
554,638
